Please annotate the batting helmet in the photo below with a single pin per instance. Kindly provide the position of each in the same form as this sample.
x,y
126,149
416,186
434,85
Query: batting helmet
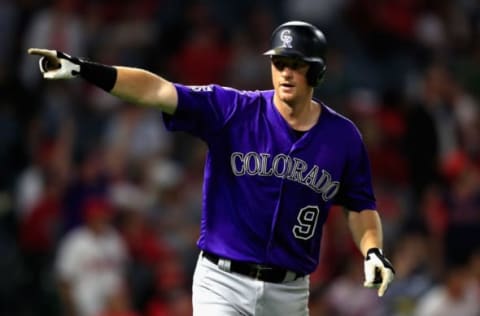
x,y
302,40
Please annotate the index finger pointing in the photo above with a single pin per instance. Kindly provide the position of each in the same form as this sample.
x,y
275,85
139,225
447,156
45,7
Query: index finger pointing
x,y
42,52
382,289
387,278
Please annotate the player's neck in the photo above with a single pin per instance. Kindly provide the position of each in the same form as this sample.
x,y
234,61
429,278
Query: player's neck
x,y
301,116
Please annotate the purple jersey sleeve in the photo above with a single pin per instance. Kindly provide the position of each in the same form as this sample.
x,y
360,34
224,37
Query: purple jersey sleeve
x,y
210,106
267,192
356,193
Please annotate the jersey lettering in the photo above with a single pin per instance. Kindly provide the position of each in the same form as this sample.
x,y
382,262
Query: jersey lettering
x,y
285,162
201,88
252,163
299,167
285,167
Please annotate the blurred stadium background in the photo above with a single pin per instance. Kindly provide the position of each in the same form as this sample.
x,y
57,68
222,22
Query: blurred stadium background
x,y
406,71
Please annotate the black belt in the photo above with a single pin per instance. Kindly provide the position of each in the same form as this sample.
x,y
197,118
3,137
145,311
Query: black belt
x,y
256,271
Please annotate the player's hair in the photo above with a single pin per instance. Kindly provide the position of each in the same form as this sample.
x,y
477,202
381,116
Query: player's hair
x,y
302,40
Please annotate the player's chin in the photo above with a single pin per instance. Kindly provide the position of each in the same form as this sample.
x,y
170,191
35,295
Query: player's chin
x,y
286,95
289,98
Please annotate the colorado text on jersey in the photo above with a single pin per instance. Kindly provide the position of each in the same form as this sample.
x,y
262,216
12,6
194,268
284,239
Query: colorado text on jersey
x,y
286,167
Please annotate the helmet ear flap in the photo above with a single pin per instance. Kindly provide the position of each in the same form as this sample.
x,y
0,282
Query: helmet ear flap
x,y
315,73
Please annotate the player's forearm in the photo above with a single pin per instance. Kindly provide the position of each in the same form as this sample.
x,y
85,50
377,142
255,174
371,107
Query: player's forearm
x,y
145,88
366,229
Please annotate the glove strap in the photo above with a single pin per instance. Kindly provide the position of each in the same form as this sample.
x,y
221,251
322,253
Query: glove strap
x,y
379,253
100,75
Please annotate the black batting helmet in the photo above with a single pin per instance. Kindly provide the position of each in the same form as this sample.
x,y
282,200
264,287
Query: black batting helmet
x,y
302,40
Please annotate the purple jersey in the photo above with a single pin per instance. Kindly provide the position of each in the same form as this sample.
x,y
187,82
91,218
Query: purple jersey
x,y
267,191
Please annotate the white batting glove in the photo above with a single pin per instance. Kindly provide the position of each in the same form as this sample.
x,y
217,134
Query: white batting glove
x,y
55,64
379,272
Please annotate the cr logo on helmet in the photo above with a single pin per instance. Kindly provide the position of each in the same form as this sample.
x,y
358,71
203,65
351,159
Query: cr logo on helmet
x,y
286,38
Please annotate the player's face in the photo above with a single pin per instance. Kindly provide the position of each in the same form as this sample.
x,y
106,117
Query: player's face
x,y
289,79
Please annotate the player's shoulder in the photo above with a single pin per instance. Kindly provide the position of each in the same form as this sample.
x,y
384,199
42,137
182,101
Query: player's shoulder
x,y
225,93
246,98
248,94
333,115
339,120
216,88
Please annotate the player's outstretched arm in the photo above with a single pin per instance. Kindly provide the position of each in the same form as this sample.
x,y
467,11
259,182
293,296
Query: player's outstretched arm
x,y
367,232
131,84
143,87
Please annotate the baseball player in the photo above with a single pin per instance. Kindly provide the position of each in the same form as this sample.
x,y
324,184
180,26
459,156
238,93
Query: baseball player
x,y
277,160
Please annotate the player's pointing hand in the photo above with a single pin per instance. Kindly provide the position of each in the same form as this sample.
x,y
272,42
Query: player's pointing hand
x,y
55,64
59,65
379,272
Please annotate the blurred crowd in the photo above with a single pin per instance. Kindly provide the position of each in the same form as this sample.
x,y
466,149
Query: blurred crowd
x,y
100,206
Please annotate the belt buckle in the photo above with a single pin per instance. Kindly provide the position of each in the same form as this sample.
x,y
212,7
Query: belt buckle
x,y
259,269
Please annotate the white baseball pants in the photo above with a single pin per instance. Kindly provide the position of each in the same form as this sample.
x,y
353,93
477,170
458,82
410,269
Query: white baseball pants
x,y
220,293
